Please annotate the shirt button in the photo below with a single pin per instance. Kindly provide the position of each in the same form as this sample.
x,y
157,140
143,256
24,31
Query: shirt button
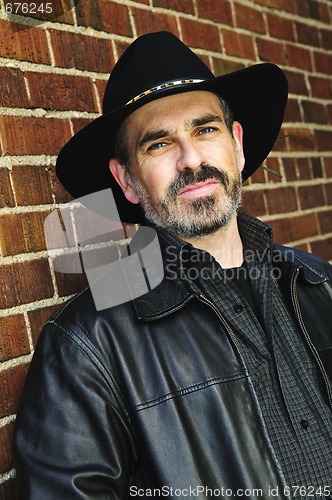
x,y
238,308
305,424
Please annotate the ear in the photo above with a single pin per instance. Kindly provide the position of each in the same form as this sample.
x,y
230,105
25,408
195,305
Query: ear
x,y
238,138
122,177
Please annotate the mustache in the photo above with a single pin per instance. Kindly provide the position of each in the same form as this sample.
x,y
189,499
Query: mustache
x,y
189,176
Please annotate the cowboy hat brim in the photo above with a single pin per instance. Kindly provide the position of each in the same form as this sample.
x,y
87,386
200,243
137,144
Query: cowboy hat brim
x,y
257,96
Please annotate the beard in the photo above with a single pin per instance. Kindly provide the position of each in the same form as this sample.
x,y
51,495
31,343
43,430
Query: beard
x,y
198,217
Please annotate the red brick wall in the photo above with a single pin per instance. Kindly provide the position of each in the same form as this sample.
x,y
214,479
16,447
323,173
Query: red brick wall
x,y
52,77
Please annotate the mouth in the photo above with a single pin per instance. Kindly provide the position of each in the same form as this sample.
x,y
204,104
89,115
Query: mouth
x,y
199,189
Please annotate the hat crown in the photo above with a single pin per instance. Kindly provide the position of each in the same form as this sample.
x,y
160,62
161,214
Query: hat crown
x,y
150,61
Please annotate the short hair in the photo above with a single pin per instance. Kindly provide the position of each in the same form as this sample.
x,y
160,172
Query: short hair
x,y
121,150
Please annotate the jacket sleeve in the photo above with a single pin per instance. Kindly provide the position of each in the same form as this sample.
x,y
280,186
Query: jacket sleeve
x,y
72,439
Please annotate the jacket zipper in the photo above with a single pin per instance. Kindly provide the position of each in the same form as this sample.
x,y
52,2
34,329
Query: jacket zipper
x,y
306,335
222,318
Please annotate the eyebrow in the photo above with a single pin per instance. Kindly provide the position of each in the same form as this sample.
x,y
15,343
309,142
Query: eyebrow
x,y
154,135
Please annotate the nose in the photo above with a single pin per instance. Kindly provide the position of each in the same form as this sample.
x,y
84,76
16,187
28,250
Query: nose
x,y
189,155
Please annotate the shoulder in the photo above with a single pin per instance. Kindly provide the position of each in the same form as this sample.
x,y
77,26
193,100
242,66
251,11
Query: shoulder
x,y
80,319
311,263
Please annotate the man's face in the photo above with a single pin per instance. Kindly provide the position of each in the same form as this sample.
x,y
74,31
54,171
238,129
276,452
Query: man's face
x,y
185,164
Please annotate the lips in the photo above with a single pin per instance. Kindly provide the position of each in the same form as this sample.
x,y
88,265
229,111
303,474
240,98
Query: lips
x,y
199,189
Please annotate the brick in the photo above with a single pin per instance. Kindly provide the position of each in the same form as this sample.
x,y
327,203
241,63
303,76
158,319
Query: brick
x,y
279,27
253,203
319,11
325,221
222,66
61,92
186,6
296,82
38,318
33,136
115,18
281,142
88,14
300,140
101,87
329,112
290,169
317,168
258,176
20,233
24,45
311,196
287,230
120,47
303,168
240,45
215,11
328,191
323,62
69,283
59,192
314,112
14,340
328,166
320,87
271,51
6,449
308,35
323,248
299,57
73,50
79,123
293,111
273,164
281,200
287,5
31,184
147,21
302,9
323,139
200,35
13,92
326,38
24,282
6,193
249,18
104,15
11,385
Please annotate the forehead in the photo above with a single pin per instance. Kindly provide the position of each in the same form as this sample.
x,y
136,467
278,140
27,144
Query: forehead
x,y
173,109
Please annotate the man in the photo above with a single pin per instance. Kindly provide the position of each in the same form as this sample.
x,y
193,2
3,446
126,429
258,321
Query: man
x,y
216,382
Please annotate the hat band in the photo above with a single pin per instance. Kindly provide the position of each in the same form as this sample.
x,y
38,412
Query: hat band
x,y
163,86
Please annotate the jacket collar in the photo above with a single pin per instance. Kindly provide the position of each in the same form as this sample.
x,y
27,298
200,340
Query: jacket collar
x,y
311,267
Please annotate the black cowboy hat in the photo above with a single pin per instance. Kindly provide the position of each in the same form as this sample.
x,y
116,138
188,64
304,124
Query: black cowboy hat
x,y
156,65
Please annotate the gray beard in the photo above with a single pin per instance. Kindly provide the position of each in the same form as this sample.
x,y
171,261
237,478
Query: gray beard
x,y
204,215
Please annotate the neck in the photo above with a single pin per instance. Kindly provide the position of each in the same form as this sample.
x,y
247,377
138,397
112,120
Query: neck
x,y
224,245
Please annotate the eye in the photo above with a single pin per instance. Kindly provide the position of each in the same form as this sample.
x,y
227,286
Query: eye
x,y
156,145
207,130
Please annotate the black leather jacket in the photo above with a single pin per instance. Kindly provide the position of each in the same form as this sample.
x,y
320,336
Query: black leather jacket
x,y
152,394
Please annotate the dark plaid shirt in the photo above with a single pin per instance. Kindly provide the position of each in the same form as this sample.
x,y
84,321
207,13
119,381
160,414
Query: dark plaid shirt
x,y
288,384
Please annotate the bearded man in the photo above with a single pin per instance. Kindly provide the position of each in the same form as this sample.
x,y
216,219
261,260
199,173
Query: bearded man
x,y
216,382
